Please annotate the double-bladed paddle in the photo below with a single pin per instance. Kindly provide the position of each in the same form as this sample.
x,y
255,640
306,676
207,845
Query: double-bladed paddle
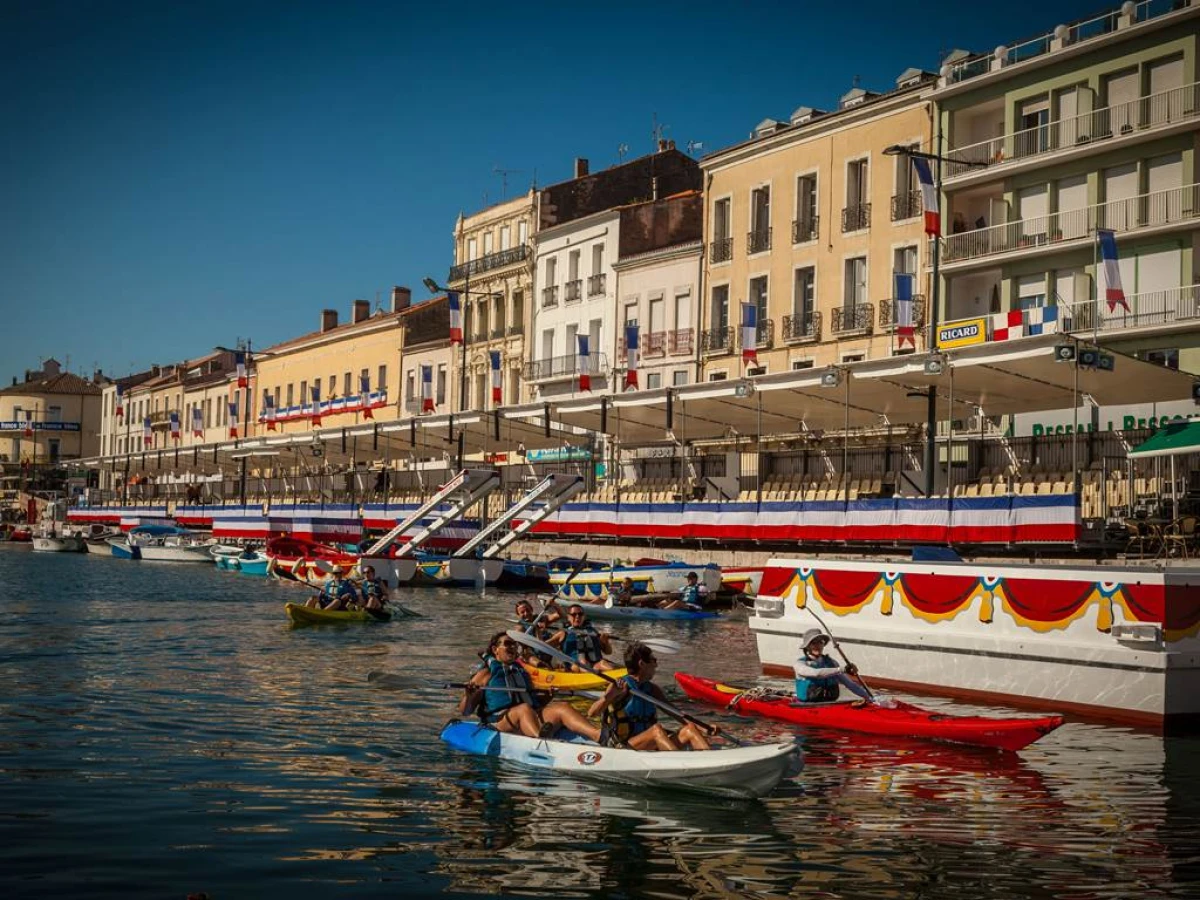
x,y
841,653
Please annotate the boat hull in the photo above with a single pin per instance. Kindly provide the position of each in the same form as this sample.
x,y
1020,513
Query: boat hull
x,y
66,544
893,719
553,679
600,611
454,571
649,579
303,615
744,772
522,575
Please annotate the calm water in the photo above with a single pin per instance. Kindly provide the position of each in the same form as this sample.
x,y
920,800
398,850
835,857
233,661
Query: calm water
x,y
163,731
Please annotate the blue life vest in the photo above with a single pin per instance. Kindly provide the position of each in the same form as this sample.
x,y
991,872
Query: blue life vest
x,y
583,640
374,587
818,690
505,675
635,715
691,595
339,588
542,632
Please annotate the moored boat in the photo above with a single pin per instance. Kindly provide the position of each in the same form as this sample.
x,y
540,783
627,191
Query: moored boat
x,y
453,571
892,718
161,543
649,576
59,543
523,575
299,614
747,772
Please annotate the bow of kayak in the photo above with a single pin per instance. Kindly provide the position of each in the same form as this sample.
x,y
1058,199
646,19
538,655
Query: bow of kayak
x,y
744,772
894,718
553,679
299,614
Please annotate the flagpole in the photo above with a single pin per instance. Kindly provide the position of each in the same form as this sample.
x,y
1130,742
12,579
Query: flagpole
x,y
1096,288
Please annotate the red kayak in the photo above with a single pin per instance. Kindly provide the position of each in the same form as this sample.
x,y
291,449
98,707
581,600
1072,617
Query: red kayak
x,y
893,718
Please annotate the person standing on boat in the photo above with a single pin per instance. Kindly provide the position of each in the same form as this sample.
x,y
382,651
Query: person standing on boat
x,y
689,595
338,591
515,708
582,641
818,677
374,589
633,721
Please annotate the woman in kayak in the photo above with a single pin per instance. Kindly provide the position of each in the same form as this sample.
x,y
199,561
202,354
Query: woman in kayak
x,y
582,641
818,676
633,721
517,710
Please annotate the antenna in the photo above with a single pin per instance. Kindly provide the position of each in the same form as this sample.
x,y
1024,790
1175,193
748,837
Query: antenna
x,y
693,146
657,131
622,149
504,173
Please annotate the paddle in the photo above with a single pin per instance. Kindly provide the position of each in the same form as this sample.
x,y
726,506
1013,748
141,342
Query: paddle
x,y
394,680
658,645
842,653
521,638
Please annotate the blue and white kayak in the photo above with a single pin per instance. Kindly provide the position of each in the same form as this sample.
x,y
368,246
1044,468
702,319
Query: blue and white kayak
x,y
648,578
745,772
600,611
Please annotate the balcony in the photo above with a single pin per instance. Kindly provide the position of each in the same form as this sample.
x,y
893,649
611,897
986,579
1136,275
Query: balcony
x,y
856,218
514,330
858,318
596,285
561,367
503,258
721,250
651,345
802,328
889,313
549,297
497,332
681,342
716,341
906,205
160,419
764,335
1149,310
1156,210
1145,116
571,290
805,230
758,241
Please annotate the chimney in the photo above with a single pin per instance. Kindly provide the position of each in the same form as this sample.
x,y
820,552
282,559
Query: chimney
x,y
360,310
98,376
401,298
581,167
328,320
51,368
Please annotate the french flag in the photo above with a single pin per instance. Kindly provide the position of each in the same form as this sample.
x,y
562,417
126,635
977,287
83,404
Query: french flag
x,y
497,386
175,426
631,356
197,422
427,389
269,410
120,413
147,435
240,360
1113,292
28,431
585,363
316,404
456,335
749,334
233,418
904,309
929,197
364,390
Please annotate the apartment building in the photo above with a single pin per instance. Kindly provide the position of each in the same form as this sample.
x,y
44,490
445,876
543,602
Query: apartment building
x,y
1090,126
425,339
493,274
576,246
809,221
49,415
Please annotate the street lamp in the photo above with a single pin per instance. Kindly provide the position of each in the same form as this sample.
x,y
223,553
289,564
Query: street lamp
x,y
935,295
434,288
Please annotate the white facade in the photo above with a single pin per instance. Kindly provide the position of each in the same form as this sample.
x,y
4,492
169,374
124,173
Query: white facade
x,y
660,291
574,293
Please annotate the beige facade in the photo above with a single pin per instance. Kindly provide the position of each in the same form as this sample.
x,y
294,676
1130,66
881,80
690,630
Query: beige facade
x,y
63,413
425,333
809,221
493,273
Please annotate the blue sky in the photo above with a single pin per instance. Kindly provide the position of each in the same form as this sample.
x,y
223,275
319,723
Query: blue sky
x,y
175,176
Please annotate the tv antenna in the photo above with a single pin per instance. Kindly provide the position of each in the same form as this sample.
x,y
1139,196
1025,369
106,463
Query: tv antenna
x,y
622,149
693,146
657,131
504,173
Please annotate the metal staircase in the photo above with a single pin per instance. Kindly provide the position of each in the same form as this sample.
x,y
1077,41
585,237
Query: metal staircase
x,y
553,490
467,488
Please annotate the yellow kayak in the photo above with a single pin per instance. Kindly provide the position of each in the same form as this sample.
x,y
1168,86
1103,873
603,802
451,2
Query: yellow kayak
x,y
545,679
304,615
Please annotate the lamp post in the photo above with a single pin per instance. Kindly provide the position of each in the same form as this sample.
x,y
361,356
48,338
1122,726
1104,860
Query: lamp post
x,y
434,288
935,297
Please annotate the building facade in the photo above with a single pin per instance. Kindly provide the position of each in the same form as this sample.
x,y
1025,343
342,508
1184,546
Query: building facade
x,y
809,221
50,416
425,339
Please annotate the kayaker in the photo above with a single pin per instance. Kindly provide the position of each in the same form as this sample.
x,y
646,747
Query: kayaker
x,y
632,721
374,589
622,594
818,676
689,595
542,628
581,640
516,712
338,592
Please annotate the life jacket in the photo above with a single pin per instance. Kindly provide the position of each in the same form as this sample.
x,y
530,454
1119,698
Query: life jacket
x,y
633,716
505,675
583,641
691,595
818,690
542,632
373,587
339,588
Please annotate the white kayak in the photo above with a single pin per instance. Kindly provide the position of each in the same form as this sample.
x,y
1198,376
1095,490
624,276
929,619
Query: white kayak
x,y
752,771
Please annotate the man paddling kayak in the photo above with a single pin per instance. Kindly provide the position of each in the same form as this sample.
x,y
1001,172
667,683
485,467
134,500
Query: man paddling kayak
x,y
818,676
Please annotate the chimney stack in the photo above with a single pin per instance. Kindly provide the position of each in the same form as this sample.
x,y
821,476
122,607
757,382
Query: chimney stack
x,y
359,310
401,298
98,376
328,320
581,167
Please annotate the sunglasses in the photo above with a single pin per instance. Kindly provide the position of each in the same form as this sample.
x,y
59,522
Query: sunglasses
x,y
507,645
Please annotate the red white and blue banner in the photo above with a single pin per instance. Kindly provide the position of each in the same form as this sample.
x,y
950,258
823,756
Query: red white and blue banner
x,y
147,434
1114,293
268,410
233,418
197,422
584,359
175,426
631,356
904,309
120,411
929,197
336,406
497,384
749,334
427,405
315,409
28,430
364,390
456,330
240,360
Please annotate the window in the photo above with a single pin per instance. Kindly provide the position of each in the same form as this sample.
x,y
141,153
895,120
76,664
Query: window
x,y
758,297
1072,198
381,384
410,385
756,370
1033,126
683,308
857,173
548,344
720,307
573,339
346,388
679,377
305,397
904,177
597,258
276,401
658,311
551,271
631,312
721,220
505,237
856,281
332,387
594,336
573,265
471,249
1119,91
522,232
1031,291
801,364
498,313
853,357
291,399
487,243
653,380
904,259
1164,357
441,385
806,209
718,376
760,220
518,318
804,293
53,413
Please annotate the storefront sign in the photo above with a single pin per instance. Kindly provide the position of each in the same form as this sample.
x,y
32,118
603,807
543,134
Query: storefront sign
x,y
40,426
962,333
559,454
1106,418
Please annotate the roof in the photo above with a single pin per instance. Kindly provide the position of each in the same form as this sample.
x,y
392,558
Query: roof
x,y
341,330
65,383
1176,439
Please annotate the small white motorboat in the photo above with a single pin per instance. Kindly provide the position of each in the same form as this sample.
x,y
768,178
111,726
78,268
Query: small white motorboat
x,y
161,543
49,542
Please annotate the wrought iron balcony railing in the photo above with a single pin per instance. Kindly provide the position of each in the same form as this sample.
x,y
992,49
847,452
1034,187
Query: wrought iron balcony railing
x,y
721,250
559,367
486,263
596,284
889,313
571,290
764,334
497,332
653,344
906,206
802,327
716,341
550,296
681,341
855,319
856,218
758,241
804,230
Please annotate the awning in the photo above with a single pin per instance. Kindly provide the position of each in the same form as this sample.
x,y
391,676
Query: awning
x,y
1176,439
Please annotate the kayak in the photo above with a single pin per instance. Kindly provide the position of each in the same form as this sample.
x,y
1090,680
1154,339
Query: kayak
x,y
545,679
729,772
306,615
600,611
893,717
